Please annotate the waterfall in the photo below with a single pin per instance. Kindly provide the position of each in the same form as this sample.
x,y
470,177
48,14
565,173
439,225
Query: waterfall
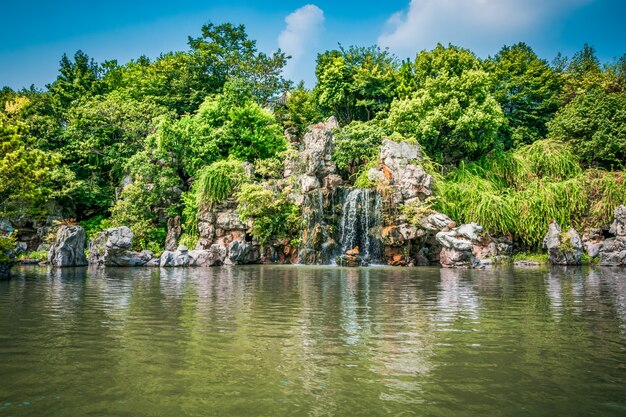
x,y
341,220
361,216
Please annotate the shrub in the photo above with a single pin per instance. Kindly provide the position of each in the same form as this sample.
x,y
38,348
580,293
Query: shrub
x,y
273,214
216,181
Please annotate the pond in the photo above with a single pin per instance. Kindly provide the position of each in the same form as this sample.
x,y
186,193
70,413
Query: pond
x,y
313,341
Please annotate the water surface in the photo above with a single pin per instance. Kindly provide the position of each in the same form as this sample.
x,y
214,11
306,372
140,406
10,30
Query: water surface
x,y
313,341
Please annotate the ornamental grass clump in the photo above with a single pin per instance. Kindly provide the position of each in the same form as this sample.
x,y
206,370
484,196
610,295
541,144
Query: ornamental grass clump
x,y
216,181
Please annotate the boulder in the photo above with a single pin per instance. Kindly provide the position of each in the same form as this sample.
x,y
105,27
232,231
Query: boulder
x,y
309,182
400,166
593,240
563,248
318,149
173,233
457,245
68,248
613,250
112,248
240,252
180,257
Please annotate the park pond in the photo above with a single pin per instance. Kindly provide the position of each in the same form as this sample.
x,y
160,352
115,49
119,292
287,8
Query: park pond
x,y
313,341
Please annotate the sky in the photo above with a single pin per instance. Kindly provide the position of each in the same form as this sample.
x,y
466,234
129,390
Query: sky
x,y
35,34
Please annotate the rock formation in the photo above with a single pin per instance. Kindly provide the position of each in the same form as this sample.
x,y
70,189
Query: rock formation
x,y
68,248
613,250
563,248
112,248
457,245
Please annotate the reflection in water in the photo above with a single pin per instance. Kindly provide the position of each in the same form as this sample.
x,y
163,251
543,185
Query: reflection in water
x,y
317,341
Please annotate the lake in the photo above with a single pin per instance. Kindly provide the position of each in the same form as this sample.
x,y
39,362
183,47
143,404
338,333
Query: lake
x,y
313,341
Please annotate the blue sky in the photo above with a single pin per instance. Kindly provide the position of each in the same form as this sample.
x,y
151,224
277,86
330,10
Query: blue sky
x,y
35,34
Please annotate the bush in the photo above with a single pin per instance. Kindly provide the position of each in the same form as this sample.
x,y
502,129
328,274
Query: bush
x,y
595,125
7,248
273,214
216,181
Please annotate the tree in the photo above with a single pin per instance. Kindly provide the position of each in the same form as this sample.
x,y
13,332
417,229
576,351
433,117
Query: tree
x,y
453,113
77,80
595,125
355,83
227,124
102,133
225,52
24,171
528,91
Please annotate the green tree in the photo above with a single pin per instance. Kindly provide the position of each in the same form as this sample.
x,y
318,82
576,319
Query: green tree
x,y
225,52
453,113
528,91
24,171
227,124
355,83
595,125
102,133
77,79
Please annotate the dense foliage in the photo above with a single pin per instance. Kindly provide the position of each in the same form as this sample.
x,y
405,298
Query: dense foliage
x,y
518,140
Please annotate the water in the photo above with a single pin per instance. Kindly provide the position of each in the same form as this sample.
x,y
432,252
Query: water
x,y
360,223
313,341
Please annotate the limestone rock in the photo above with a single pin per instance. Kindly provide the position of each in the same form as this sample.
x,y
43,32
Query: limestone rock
x,y
593,241
318,148
68,248
400,166
112,248
173,233
242,253
457,245
396,155
563,248
309,182
613,250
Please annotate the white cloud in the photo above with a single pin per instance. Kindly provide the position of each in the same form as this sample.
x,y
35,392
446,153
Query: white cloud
x,y
468,23
301,33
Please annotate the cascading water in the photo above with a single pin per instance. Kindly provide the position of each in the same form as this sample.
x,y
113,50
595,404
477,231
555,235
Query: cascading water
x,y
340,221
360,223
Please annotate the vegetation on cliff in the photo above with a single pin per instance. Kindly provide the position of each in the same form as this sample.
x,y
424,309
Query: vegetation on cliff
x,y
514,140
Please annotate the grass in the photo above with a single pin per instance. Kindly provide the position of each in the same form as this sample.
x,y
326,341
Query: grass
x,y
522,192
542,258
216,181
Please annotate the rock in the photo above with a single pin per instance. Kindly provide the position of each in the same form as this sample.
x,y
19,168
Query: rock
x,y
154,262
618,227
309,182
112,248
350,261
213,256
593,241
375,175
400,167
396,155
43,247
173,233
613,250
353,251
332,181
563,248
457,245
318,149
242,253
454,258
68,248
